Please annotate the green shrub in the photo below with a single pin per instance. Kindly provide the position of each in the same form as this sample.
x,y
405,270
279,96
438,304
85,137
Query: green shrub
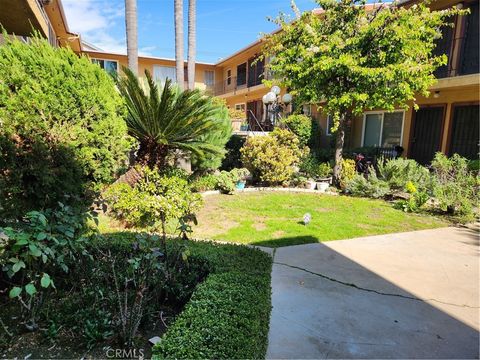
x,y
300,125
415,202
373,187
474,166
233,156
204,183
30,250
154,200
454,187
398,172
62,127
348,172
271,158
228,314
226,182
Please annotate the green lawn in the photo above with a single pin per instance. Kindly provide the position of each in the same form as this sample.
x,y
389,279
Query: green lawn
x,y
276,219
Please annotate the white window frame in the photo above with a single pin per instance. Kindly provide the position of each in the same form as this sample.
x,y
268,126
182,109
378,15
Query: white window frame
x,y
308,108
111,60
382,112
327,130
228,77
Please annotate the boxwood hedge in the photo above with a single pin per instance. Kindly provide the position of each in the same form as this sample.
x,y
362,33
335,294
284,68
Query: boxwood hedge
x,y
228,314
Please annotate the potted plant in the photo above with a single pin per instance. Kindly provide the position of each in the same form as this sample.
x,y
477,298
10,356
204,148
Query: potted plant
x,y
310,184
244,126
324,178
240,177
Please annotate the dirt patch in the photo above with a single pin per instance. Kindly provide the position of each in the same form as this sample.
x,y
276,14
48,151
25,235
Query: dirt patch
x,y
278,234
323,210
365,226
259,226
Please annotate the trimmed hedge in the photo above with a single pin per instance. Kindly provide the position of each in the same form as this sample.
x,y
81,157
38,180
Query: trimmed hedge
x,y
228,314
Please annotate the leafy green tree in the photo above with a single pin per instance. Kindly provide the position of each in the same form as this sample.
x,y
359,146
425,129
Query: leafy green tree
x,y
352,59
166,119
61,127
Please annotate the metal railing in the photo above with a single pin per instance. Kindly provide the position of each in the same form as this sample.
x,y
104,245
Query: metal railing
x,y
235,83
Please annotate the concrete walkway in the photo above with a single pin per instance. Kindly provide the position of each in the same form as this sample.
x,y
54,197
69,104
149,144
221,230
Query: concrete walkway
x,y
409,295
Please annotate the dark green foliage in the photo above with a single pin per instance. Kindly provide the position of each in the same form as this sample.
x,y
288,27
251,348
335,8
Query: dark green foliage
x,y
225,182
228,315
233,156
62,128
166,119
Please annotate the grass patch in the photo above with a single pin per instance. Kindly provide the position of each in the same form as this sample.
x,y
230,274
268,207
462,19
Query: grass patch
x,y
228,314
276,219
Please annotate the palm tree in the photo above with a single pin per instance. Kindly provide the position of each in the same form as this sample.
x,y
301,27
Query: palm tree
x,y
165,119
132,38
179,43
192,44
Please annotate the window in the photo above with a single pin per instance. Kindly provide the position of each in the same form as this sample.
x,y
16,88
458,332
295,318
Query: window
x,y
209,77
330,123
383,129
229,77
162,73
242,74
469,61
240,107
256,69
107,65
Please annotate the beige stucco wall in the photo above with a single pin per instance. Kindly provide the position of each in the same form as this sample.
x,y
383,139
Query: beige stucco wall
x,y
147,63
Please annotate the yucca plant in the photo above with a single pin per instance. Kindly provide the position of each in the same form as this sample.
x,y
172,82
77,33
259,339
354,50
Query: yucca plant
x,y
163,119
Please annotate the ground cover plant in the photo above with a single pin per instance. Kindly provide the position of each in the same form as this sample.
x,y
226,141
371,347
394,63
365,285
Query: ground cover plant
x,y
276,218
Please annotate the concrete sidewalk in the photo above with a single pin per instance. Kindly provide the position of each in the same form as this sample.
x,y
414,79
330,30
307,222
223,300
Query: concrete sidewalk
x,y
408,295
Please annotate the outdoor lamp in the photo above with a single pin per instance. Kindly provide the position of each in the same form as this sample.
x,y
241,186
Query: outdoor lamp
x,y
269,98
276,90
287,99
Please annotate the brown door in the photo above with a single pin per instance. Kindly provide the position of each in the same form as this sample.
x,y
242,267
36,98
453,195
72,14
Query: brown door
x,y
255,115
427,132
464,138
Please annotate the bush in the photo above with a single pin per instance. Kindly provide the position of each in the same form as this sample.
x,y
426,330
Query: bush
x,y
348,172
228,315
454,187
43,242
204,183
62,128
398,172
271,158
226,182
373,187
300,125
415,202
153,201
233,156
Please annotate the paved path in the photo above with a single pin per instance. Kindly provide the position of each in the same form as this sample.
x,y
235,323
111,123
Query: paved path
x,y
409,295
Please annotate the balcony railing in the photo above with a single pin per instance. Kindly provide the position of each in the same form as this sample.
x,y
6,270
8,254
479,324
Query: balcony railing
x,y
234,84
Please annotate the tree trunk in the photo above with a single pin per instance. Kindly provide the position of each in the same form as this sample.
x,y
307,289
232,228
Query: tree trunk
x,y
179,48
340,141
132,38
192,45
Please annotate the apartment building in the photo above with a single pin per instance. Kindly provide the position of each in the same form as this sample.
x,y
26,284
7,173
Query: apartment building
x,y
447,121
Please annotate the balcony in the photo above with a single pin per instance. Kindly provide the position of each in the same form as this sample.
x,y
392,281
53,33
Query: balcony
x,y
22,16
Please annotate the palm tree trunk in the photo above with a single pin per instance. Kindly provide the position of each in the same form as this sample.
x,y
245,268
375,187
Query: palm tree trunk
x,y
132,37
192,42
179,48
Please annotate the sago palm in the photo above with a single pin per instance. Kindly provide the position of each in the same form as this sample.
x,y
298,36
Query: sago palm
x,y
164,119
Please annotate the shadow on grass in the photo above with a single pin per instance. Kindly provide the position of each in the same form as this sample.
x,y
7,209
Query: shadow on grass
x,y
287,241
